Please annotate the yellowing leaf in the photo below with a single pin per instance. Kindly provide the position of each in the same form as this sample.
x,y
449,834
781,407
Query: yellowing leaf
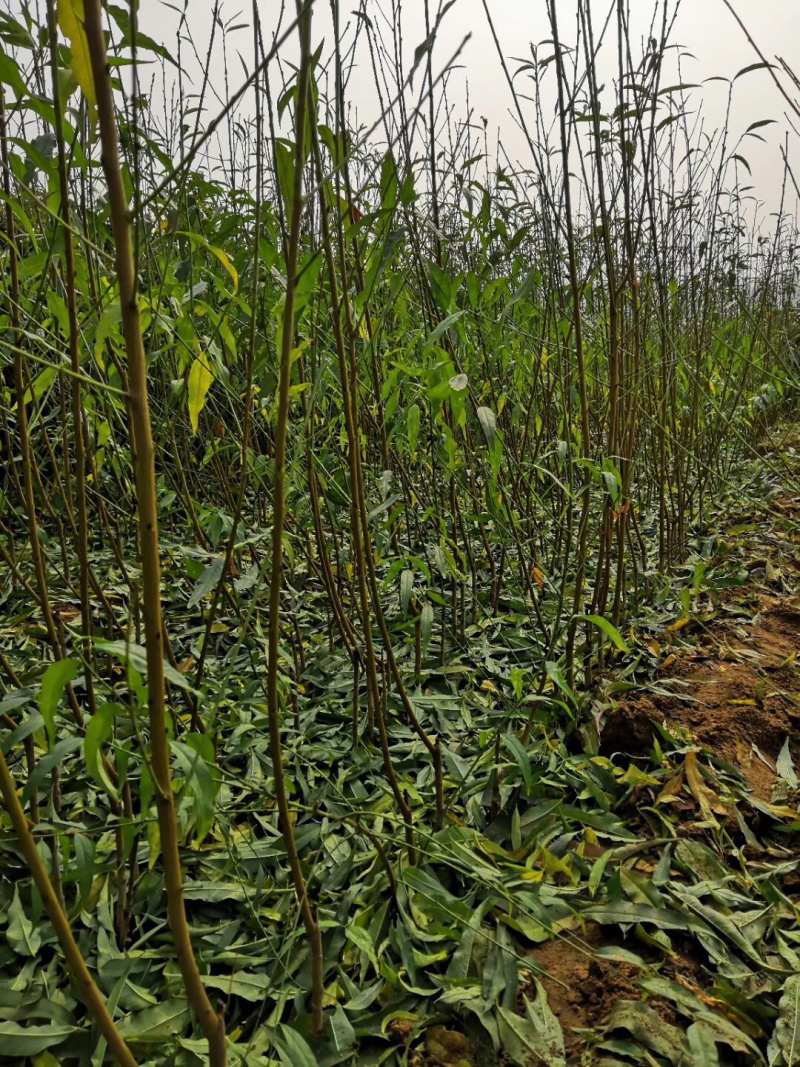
x,y
45,1059
679,625
200,378
706,798
448,1048
217,252
70,21
636,777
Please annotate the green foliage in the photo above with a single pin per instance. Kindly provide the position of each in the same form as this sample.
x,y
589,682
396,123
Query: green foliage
x,y
486,583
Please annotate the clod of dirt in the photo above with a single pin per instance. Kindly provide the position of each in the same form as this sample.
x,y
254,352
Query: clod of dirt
x,y
582,990
736,693
630,728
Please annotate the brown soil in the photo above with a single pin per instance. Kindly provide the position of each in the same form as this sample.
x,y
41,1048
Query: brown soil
x,y
733,697
729,689
582,990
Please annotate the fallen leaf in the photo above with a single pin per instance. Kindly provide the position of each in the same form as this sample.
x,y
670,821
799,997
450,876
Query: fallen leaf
x,y
448,1048
708,800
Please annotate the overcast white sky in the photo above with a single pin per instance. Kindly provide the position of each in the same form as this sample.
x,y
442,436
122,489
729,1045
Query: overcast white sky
x,y
705,29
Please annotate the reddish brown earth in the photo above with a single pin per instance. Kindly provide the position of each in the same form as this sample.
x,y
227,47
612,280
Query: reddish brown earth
x,y
735,680
582,989
737,698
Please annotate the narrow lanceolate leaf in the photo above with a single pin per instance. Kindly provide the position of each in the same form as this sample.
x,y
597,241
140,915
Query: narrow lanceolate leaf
x,y
412,425
21,936
703,1046
535,1040
444,326
56,679
20,1042
252,987
98,731
293,1049
157,1024
218,253
785,767
195,758
200,378
785,1040
608,629
70,21
207,580
10,75
406,585
488,423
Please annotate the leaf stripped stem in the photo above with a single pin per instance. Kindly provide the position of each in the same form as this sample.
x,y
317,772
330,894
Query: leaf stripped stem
x,y
75,364
37,555
75,961
278,522
211,1022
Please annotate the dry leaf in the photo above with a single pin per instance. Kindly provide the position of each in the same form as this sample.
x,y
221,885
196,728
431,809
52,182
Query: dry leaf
x,y
672,788
187,664
708,800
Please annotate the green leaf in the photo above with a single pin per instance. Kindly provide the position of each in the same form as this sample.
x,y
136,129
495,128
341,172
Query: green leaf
x,y
46,764
388,184
217,252
344,1036
21,1041
284,158
535,1040
785,766
70,21
608,629
412,426
702,1046
293,1049
444,326
10,75
200,378
786,1035
157,1024
136,657
517,750
649,1029
45,1059
488,423
56,679
533,276
556,676
21,936
426,625
98,731
195,756
207,581
110,325
625,912
406,585
248,986
361,938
